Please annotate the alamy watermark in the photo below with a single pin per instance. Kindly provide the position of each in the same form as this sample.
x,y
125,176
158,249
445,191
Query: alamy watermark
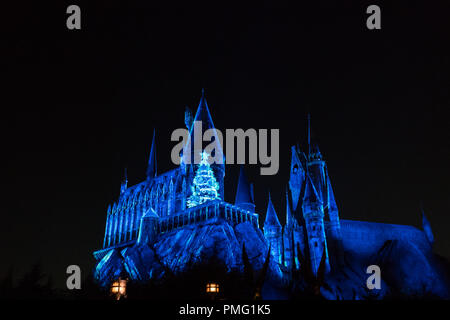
x,y
189,149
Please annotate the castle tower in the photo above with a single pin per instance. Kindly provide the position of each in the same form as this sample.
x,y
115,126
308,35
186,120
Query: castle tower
x,y
244,193
316,170
335,238
313,215
272,231
151,169
293,236
203,128
148,227
288,245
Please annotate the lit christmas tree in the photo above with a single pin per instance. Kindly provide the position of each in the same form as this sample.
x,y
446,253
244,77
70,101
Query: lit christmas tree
x,y
205,187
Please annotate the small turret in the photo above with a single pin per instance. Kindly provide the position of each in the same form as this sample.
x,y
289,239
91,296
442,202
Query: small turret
x,y
313,215
124,183
272,231
201,125
427,228
244,194
148,227
271,220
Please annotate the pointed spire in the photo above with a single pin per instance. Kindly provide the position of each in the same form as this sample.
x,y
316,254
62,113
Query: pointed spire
x,y
244,194
331,201
427,228
203,113
124,184
271,216
203,117
151,169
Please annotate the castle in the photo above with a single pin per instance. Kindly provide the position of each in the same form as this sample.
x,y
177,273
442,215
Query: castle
x,y
151,222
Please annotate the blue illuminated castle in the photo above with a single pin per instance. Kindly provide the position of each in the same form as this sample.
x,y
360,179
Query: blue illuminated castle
x,y
178,218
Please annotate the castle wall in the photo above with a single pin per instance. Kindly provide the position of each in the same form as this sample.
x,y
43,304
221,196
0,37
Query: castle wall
x,y
366,238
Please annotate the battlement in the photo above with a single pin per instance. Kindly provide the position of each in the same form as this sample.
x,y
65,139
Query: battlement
x,y
209,210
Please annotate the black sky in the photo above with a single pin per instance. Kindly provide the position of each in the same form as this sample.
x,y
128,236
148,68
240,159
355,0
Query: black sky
x,y
84,105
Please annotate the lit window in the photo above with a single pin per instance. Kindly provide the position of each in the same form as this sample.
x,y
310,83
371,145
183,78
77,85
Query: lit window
x,y
212,288
119,288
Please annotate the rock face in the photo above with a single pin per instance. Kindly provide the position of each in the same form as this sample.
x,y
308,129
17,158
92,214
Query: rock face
x,y
178,250
406,271
409,272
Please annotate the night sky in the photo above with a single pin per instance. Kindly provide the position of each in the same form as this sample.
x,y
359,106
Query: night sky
x,y
84,105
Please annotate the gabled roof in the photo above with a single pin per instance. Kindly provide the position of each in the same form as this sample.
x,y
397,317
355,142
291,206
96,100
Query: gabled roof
x,y
150,213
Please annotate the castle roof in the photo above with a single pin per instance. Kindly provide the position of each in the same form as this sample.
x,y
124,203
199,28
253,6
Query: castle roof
x,y
203,113
331,201
271,215
204,116
244,192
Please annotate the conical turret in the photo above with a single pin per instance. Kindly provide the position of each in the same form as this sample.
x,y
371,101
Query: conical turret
x,y
272,232
201,124
244,194
203,129
271,216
